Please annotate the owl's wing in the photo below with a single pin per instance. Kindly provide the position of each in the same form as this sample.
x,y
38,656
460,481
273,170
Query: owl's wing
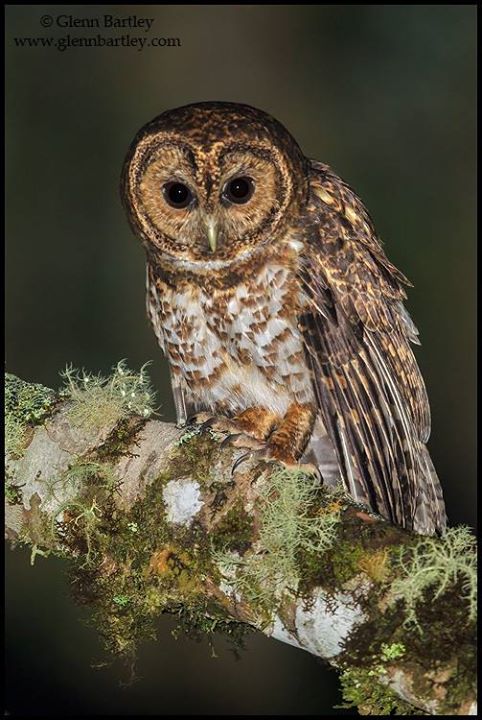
x,y
153,306
357,334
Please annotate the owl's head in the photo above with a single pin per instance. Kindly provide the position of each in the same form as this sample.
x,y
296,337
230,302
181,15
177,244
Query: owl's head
x,y
212,181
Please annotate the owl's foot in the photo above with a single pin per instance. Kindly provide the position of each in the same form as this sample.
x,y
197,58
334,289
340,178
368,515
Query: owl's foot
x,y
207,421
287,440
200,419
254,424
267,436
258,422
225,426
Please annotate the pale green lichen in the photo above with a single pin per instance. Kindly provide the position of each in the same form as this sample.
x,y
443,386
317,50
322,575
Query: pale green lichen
x,y
85,472
81,475
435,564
85,517
37,551
97,401
293,519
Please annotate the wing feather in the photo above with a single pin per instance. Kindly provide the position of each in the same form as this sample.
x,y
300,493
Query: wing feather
x,y
357,334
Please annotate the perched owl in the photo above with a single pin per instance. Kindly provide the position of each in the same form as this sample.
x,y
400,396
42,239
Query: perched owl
x,y
273,300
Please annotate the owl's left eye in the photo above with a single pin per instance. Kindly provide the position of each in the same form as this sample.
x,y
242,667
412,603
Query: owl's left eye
x,y
177,194
239,190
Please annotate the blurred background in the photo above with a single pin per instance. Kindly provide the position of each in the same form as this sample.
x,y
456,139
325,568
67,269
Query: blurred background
x,y
386,96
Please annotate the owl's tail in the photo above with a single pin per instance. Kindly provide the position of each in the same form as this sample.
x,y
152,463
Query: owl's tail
x,y
429,517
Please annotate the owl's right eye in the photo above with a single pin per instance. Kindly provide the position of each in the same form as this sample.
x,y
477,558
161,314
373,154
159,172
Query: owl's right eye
x,y
177,194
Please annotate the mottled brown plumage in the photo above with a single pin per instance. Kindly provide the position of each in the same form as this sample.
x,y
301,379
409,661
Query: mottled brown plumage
x,y
272,298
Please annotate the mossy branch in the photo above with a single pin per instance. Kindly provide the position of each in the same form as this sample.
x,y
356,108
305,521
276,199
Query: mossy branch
x,y
152,520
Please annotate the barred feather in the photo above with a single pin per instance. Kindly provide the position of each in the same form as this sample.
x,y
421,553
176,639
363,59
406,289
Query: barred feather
x,y
368,386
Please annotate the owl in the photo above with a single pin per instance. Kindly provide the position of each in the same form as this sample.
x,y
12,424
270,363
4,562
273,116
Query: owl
x,y
275,304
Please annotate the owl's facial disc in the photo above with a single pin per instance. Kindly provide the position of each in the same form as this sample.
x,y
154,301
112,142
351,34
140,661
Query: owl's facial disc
x,y
196,203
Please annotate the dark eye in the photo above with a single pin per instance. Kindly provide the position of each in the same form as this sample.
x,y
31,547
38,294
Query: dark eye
x,y
239,190
177,194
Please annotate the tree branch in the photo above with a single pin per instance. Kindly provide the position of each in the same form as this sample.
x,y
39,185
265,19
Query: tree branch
x,y
153,520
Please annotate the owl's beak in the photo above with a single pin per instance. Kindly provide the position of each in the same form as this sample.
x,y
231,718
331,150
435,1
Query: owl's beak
x,y
212,234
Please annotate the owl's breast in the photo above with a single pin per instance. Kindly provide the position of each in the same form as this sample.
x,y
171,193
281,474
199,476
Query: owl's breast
x,y
239,347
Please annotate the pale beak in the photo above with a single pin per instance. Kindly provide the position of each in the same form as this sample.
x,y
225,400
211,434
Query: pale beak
x,y
212,234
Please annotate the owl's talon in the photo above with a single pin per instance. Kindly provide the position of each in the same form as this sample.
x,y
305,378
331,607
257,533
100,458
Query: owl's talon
x,y
227,441
241,459
198,419
206,421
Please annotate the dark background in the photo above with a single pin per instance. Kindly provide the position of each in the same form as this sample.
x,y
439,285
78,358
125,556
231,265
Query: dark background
x,y
386,95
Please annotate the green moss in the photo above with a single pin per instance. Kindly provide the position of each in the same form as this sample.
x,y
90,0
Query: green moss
x,y
206,619
120,439
137,565
29,402
461,687
13,494
130,566
361,690
16,436
345,561
447,640
360,546
121,600
26,405
193,456
446,635
234,531
392,651
355,549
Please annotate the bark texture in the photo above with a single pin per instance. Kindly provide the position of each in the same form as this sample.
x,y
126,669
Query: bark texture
x,y
153,520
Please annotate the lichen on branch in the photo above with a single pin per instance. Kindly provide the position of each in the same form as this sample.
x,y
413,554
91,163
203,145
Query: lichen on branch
x,y
152,520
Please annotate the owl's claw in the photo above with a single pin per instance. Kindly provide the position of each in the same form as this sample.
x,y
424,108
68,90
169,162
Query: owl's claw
x,y
208,425
225,426
241,459
198,419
